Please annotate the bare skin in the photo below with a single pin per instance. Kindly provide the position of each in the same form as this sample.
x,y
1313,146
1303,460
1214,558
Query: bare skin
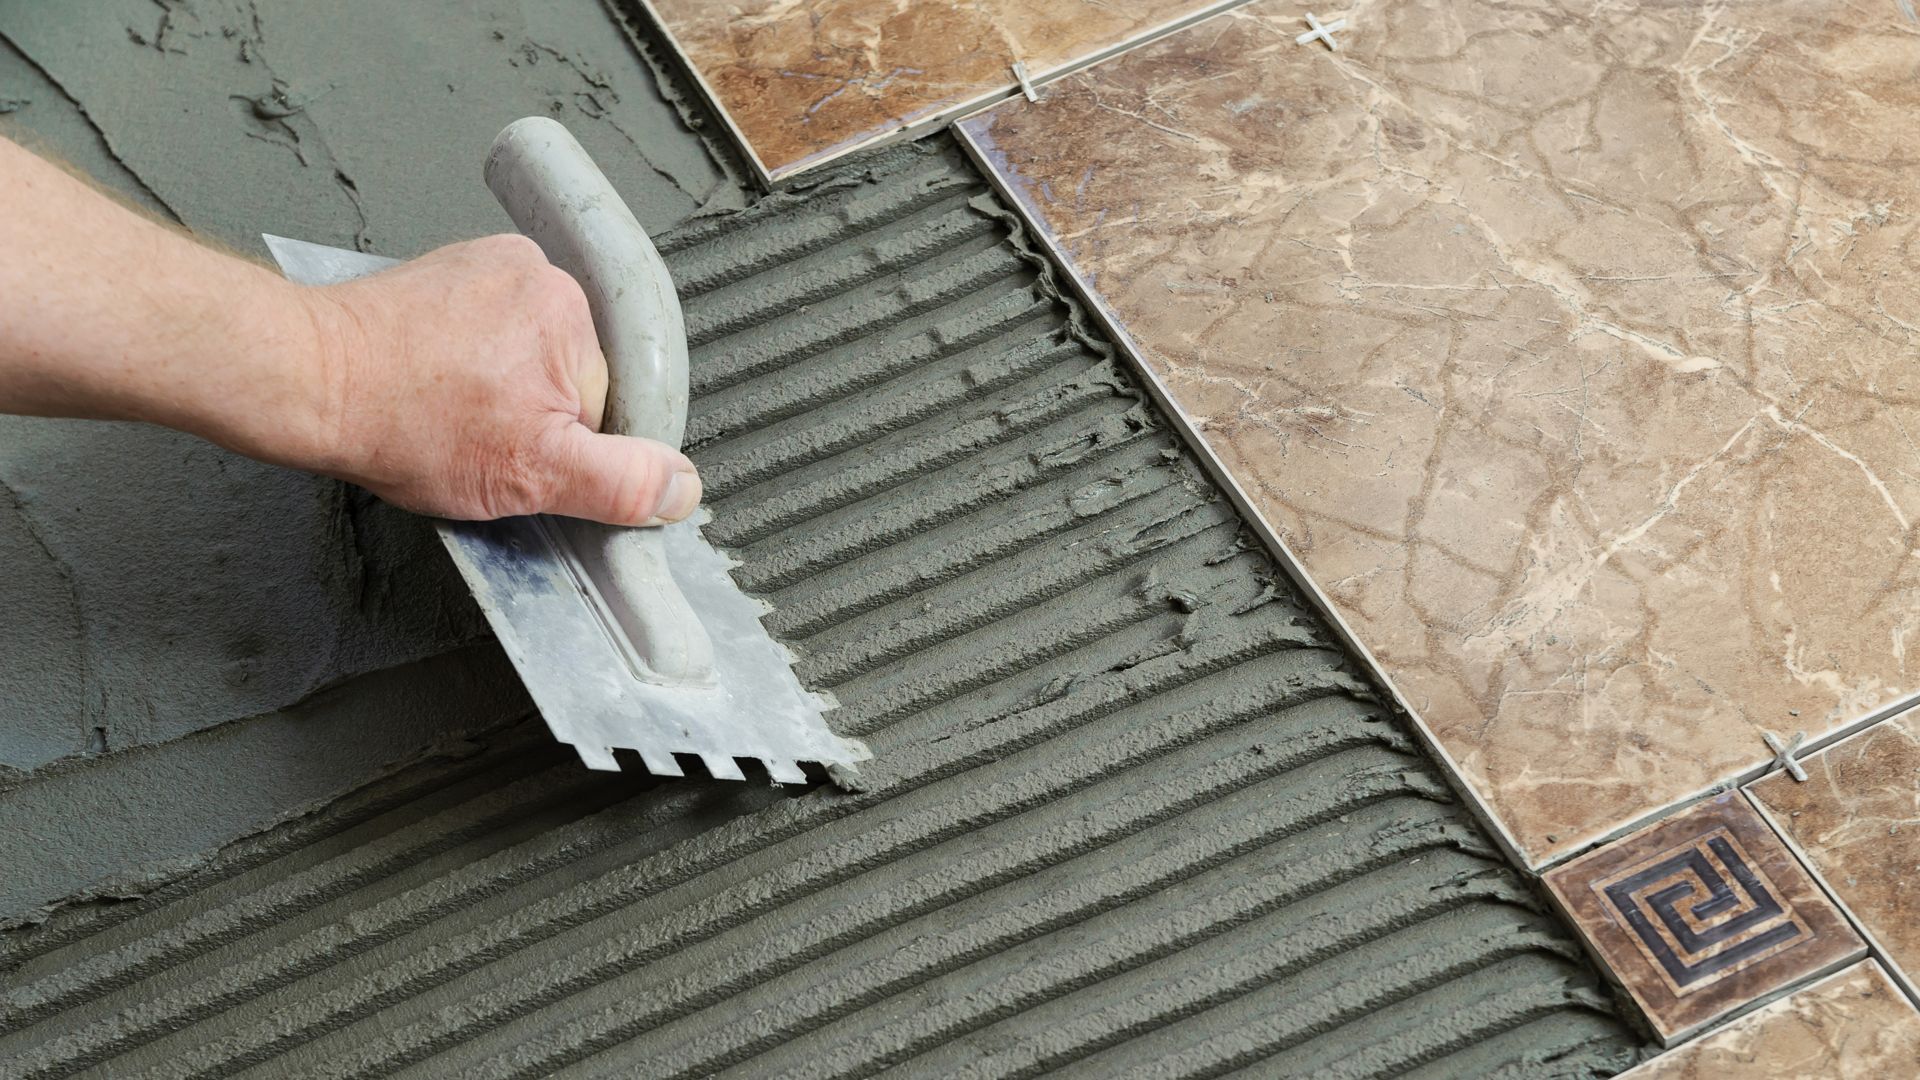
x,y
467,383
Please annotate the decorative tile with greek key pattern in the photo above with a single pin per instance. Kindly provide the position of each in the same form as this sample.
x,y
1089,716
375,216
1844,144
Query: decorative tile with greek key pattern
x,y
1702,914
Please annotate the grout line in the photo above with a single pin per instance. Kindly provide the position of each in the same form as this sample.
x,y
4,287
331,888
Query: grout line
x,y
776,179
1128,44
908,132
1853,729
1276,547
1761,1001
953,114
1875,949
1743,778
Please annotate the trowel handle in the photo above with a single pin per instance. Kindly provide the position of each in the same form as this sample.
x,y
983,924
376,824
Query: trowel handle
x,y
561,200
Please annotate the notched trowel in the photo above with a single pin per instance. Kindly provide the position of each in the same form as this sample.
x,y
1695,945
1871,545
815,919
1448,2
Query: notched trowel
x,y
626,638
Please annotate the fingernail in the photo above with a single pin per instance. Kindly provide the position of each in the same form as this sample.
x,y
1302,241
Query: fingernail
x,y
682,495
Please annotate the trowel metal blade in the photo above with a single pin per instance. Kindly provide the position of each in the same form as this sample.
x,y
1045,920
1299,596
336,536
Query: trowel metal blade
x,y
543,608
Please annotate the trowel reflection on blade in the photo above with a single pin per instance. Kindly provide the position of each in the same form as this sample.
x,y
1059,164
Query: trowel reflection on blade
x,y
625,638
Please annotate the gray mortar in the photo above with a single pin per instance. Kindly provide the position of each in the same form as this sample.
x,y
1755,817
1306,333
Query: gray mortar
x,y
245,590
1130,802
78,833
361,125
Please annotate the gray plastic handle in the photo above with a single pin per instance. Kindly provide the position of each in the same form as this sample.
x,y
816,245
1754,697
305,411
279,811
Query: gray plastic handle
x,y
558,197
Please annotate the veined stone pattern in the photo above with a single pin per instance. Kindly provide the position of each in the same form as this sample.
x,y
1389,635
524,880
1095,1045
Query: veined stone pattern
x,y
805,80
1857,818
1574,350
1855,1025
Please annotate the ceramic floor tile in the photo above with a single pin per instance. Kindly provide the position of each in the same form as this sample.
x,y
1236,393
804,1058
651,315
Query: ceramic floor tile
x,y
1855,1025
805,80
1857,818
1702,914
1570,349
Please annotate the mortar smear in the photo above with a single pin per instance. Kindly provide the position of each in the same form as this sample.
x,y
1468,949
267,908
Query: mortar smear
x,y
160,586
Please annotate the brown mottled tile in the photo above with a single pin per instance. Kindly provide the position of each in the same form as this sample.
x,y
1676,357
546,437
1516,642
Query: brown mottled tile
x,y
1702,913
804,80
1571,348
1857,818
1854,1025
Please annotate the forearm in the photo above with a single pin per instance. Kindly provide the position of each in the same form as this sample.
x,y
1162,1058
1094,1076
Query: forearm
x,y
105,314
466,383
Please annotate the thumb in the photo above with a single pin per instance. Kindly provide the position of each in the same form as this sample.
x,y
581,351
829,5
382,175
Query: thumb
x,y
621,480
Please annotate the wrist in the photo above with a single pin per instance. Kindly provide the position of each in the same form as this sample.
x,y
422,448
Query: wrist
x,y
252,363
284,395
331,333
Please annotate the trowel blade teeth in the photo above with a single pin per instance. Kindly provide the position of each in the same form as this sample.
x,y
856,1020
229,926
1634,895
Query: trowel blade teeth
x,y
596,757
660,764
786,772
591,683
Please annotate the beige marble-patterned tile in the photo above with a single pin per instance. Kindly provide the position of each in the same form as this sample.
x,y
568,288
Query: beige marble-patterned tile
x,y
1854,1025
1572,349
805,80
1702,914
1857,819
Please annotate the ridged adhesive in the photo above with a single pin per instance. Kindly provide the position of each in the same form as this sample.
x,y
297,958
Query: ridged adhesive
x,y
1132,811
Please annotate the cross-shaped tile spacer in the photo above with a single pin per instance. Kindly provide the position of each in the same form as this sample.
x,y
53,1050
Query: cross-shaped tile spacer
x,y
1026,83
1322,33
1783,755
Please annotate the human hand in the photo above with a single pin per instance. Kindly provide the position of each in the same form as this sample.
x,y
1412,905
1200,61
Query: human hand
x,y
469,383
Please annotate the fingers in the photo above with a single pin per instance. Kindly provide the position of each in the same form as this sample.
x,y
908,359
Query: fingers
x,y
569,331
621,480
